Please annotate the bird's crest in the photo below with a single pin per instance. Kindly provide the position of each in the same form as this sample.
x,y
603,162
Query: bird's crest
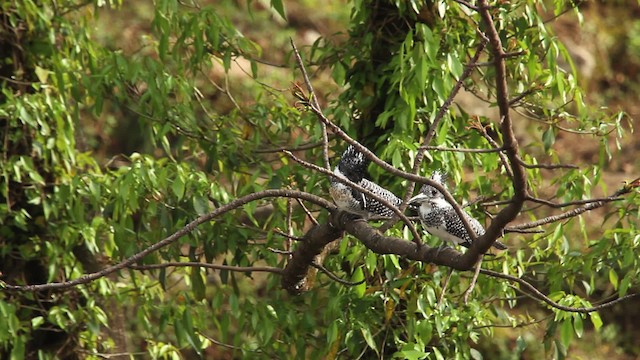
x,y
438,176
353,164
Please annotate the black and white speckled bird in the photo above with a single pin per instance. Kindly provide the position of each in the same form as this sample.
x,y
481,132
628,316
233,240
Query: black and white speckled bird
x,y
440,219
353,166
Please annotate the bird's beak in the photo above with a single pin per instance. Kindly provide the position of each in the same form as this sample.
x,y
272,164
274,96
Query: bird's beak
x,y
418,199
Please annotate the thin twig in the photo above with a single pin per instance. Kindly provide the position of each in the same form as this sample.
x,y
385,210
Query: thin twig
x,y
469,290
463,150
335,277
444,288
547,166
229,346
309,214
577,211
570,203
314,103
477,125
533,292
290,148
269,269
513,326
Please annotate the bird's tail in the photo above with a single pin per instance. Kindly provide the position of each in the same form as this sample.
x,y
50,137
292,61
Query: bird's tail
x,y
500,246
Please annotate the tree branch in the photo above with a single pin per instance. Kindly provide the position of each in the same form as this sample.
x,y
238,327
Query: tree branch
x,y
510,143
533,292
577,211
314,102
269,269
87,278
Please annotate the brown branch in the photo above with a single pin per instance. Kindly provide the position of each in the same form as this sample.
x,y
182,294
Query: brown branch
x,y
477,125
268,269
577,211
463,150
571,203
314,103
547,166
306,211
533,292
293,275
510,143
302,147
335,277
87,278
465,3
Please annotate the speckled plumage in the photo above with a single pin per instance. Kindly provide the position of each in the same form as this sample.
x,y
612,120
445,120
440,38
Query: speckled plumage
x,y
353,166
440,219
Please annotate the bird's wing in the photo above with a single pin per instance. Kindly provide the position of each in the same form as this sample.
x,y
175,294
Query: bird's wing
x,y
374,206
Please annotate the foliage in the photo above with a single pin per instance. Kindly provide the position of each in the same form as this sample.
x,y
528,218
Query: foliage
x,y
196,120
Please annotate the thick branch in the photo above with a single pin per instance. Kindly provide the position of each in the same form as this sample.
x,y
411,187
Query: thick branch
x,y
293,275
510,145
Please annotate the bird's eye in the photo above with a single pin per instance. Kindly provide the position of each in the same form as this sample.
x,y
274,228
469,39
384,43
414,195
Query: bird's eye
x,y
434,192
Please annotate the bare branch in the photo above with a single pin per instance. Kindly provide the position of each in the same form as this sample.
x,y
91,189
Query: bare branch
x,y
463,150
547,166
315,104
510,143
571,203
334,277
87,278
290,148
536,294
268,269
469,290
293,275
477,125
577,211
309,214
465,3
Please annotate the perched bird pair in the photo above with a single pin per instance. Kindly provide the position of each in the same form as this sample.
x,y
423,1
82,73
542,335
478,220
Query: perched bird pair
x,y
437,215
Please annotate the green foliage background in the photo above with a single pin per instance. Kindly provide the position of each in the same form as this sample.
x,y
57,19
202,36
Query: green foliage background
x,y
122,122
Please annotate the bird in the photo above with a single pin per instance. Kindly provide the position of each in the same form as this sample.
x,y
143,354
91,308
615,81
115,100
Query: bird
x,y
353,166
440,219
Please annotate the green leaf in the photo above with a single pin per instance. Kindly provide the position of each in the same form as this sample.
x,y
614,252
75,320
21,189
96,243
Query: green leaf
x,y
192,338
358,276
36,322
566,332
17,353
613,278
366,333
455,66
475,354
178,186
596,320
548,139
577,325
278,5
197,283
